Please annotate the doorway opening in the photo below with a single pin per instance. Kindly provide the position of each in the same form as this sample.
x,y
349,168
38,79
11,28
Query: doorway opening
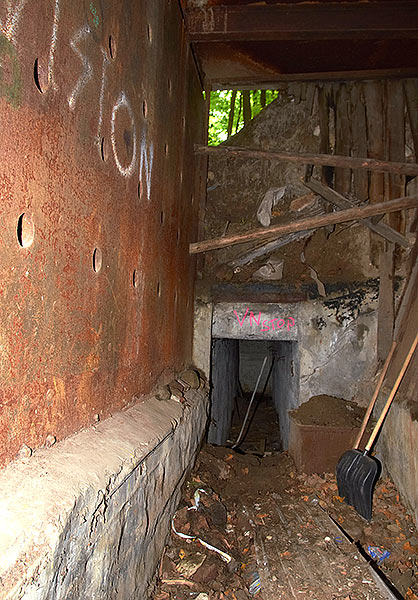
x,y
235,370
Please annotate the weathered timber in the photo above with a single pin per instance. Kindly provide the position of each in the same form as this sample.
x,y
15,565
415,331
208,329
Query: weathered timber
x,y
351,162
351,214
323,110
269,247
335,198
411,96
359,137
260,82
395,140
343,137
373,95
386,308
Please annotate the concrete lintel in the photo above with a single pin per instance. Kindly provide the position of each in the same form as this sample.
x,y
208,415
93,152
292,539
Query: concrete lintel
x,y
247,321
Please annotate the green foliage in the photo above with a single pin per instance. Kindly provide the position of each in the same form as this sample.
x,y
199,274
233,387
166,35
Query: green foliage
x,y
220,107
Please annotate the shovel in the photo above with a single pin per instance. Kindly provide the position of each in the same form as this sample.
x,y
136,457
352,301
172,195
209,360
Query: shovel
x,y
357,472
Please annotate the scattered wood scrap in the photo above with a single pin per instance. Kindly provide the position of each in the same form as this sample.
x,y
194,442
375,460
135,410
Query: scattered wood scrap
x,y
269,247
387,232
350,214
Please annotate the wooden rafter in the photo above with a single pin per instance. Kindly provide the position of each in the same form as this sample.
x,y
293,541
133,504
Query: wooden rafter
x,y
332,160
351,214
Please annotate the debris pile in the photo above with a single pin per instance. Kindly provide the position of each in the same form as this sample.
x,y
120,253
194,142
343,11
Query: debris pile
x,y
249,526
390,538
203,559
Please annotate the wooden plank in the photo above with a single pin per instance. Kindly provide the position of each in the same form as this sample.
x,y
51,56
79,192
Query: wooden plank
x,y
324,145
373,94
231,113
260,82
267,248
335,198
305,21
202,170
395,138
343,137
333,160
246,106
406,326
411,97
385,311
350,214
359,139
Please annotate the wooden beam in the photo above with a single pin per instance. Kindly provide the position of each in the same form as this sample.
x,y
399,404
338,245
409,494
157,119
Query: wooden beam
x,y
332,160
359,137
260,82
395,140
385,310
335,198
351,214
411,94
305,21
343,139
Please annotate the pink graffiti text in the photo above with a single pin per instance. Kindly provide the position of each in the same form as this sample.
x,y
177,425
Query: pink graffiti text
x,y
265,325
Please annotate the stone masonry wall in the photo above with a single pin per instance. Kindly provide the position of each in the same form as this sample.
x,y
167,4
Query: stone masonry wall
x,y
88,518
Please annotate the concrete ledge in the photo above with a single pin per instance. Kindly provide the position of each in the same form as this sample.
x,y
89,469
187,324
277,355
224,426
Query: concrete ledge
x,y
88,518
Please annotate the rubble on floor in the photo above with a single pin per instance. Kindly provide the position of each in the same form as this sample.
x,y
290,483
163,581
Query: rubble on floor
x,y
249,525
271,539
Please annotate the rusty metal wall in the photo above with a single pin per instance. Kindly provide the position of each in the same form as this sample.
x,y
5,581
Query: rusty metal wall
x,y
100,105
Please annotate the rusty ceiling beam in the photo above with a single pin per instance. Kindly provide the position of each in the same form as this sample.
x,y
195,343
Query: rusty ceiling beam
x,y
307,21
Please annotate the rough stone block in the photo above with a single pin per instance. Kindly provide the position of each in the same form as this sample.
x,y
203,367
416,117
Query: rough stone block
x,y
88,518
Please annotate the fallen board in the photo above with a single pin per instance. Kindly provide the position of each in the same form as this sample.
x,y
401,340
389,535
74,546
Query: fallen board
x,y
337,199
351,214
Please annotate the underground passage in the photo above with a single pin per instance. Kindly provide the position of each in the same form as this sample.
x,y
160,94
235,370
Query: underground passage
x,y
208,283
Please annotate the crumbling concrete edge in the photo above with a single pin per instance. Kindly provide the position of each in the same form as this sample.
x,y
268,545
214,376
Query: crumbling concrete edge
x,y
89,517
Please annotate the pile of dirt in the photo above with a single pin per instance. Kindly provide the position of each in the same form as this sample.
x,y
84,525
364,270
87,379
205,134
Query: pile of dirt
x,y
329,412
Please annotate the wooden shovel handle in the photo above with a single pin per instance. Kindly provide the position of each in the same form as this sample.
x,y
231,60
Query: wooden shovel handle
x,y
376,393
392,394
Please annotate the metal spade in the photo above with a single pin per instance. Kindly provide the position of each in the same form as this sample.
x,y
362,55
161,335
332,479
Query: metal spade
x,y
357,472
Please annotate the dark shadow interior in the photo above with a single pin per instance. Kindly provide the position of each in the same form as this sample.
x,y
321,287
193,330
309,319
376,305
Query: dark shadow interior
x,y
235,368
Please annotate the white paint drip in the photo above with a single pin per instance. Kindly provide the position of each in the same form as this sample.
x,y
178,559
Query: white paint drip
x,y
87,68
101,99
51,59
123,101
8,28
145,163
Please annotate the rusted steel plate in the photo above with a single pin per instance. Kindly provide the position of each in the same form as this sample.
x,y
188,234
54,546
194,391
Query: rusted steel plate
x,y
100,106
304,21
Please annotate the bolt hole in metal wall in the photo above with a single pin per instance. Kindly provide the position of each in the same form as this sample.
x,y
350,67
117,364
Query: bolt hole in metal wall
x,y
90,105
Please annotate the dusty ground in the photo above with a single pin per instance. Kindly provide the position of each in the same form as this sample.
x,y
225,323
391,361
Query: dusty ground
x,y
328,410
274,524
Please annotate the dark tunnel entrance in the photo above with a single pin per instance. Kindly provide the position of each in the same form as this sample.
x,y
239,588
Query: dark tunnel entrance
x,y
235,369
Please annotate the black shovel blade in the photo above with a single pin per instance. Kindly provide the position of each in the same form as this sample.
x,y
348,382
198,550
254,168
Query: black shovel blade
x,y
357,474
